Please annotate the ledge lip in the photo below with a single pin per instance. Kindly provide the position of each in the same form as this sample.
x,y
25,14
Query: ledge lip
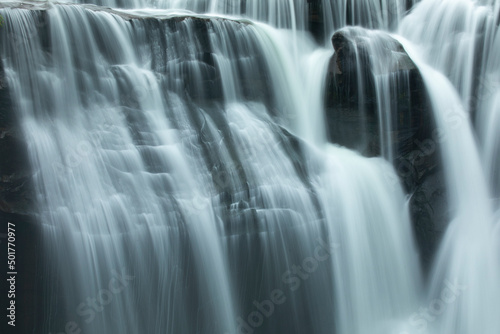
x,y
125,13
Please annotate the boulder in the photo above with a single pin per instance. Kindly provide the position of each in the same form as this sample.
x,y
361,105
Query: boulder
x,y
377,103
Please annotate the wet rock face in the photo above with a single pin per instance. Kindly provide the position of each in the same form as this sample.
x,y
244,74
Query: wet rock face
x,y
350,98
16,192
371,77
376,103
17,207
170,41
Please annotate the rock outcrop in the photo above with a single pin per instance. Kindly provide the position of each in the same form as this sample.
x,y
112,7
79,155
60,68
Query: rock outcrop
x,y
376,103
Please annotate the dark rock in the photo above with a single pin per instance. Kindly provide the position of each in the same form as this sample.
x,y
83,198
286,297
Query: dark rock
x,y
16,191
371,83
315,20
17,208
350,95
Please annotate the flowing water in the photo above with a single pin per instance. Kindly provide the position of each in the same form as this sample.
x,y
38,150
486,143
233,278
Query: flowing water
x,y
290,14
184,182
460,38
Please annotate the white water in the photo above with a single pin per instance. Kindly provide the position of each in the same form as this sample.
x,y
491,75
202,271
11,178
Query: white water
x,y
290,14
455,36
384,15
144,164
461,39
372,236
469,249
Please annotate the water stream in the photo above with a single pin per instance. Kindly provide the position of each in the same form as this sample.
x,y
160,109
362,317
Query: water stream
x,y
185,183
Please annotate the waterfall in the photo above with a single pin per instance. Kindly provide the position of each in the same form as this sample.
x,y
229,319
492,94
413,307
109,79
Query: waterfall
x,y
469,247
461,47
465,48
290,14
215,167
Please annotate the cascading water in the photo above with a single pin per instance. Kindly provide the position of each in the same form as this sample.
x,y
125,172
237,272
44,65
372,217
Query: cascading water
x,y
291,14
384,15
461,48
184,180
465,48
